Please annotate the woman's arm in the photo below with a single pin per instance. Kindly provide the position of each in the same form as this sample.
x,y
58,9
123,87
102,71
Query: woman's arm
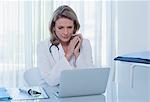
x,y
49,70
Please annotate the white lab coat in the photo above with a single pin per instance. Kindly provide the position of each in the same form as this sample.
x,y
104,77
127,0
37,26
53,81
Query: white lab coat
x,y
51,64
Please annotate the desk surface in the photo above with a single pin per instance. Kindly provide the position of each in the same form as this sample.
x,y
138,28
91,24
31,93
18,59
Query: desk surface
x,y
114,93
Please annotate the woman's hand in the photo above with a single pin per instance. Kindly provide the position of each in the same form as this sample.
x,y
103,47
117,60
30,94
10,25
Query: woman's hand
x,y
74,46
78,46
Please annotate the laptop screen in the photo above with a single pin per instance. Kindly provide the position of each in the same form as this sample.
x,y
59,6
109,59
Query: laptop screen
x,y
83,82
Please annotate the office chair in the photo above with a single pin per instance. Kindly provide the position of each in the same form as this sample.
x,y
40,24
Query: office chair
x,y
32,77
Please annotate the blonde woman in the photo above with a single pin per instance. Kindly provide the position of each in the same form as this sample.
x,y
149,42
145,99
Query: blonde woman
x,y
66,49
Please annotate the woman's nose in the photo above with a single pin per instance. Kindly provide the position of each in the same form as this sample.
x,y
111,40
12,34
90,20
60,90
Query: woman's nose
x,y
65,31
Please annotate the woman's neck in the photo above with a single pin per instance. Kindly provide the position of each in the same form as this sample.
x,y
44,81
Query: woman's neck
x,y
65,46
64,43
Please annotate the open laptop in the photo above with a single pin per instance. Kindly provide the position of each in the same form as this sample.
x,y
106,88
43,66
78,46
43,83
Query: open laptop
x,y
82,82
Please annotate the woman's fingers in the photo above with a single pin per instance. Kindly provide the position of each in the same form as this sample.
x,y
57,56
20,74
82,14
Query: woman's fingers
x,y
78,34
78,44
74,46
74,41
71,46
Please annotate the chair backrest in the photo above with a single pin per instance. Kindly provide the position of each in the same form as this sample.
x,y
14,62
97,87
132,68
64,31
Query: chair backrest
x,y
32,77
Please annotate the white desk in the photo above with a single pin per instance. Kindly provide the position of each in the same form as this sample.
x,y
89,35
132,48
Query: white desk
x,y
111,96
53,98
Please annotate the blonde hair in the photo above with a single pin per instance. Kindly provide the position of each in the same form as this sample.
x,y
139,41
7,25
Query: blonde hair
x,y
63,11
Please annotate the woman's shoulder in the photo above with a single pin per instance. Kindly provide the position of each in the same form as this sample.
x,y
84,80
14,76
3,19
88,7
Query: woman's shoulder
x,y
45,42
86,41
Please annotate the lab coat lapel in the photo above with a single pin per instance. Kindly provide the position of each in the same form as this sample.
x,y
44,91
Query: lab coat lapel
x,y
57,54
61,49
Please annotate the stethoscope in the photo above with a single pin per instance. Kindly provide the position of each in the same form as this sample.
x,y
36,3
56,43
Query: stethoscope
x,y
50,50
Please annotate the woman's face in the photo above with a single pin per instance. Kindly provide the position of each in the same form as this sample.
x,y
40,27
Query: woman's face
x,y
64,28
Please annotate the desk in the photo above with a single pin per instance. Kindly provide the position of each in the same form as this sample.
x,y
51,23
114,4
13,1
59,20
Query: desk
x,y
53,98
112,95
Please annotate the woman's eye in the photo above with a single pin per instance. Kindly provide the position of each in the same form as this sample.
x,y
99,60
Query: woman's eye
x,y
60,27
70,27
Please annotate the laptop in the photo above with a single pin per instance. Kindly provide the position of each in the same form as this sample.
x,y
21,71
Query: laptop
x,y
81,82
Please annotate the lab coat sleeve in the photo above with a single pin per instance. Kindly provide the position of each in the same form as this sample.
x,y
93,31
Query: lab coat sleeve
x,y
85,60
54,74
49,70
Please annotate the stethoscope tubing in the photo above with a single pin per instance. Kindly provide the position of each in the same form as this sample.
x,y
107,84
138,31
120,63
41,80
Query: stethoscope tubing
x,y
50,50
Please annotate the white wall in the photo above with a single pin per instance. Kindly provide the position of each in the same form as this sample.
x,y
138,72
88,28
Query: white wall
x,y
149,40
133,36
149,23
132,26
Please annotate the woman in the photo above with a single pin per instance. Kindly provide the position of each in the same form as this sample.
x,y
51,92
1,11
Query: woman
x,y
65,50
